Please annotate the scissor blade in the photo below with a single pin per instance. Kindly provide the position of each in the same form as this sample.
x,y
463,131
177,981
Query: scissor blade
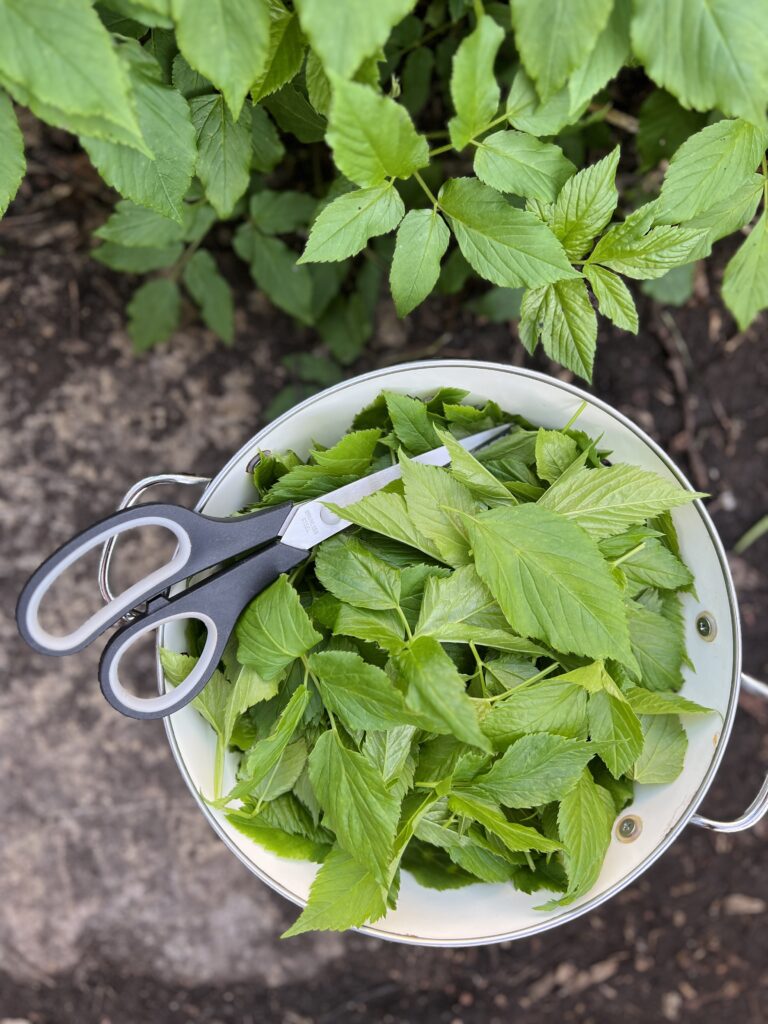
x,y
311,522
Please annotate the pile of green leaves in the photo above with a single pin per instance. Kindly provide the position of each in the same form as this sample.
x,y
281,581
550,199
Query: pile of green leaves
x,y
438,139
468,683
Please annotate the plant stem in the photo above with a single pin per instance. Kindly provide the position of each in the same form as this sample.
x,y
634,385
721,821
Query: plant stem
x,y
426,188
439,150
765,189
628,554
404,621
218,767
521,686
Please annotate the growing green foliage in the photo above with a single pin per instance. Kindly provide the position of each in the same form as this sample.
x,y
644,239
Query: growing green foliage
x,y
488,138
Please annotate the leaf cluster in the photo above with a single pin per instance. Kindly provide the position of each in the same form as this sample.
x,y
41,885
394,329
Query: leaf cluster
x,y
421,143
467,683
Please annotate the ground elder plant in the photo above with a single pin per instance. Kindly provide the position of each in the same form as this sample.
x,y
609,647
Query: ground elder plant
x,y
467,685
345,143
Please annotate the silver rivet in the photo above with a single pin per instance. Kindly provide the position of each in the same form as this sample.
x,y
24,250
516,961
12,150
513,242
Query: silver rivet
x,y
706,626
628,828
328,517
256,460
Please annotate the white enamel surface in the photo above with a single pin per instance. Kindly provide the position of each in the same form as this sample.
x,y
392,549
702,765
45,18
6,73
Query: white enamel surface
x,y
490,913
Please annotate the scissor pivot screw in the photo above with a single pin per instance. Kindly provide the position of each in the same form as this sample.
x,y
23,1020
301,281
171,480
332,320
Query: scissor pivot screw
x,y
328,517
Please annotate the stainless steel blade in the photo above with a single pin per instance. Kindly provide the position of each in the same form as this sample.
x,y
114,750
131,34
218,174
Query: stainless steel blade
x,y
311,522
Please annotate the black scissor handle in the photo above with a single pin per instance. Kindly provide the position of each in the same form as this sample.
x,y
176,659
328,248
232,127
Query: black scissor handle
x,y
203,541
216,602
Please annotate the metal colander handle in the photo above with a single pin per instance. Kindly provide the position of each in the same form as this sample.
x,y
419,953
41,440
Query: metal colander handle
x,y
759,806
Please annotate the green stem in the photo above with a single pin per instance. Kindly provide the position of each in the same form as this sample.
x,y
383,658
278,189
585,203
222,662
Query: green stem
x,y
426,188
765,189
521,686
575,416
404,621
440,149
218,766
628,554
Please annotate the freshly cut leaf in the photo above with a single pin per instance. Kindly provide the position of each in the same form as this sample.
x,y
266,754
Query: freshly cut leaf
x,y
615,732
473,475
411,423
51,57
361,694
283,776
550,580
436,692
386,514
606,501
658,646
745,283
344,227
555,452
352,454
275,840
613,297
384,628
664,747
585,820
224,151
435,503
353,574
727,68
515,837
645,702
586,204
264,757
534,770
366,28
212,293
554,38
274,630
372,136
709,167
595,678
655,566
225,40
422,239
356,804
460,609
12,162
159,181
548,706
137,227
512,161
562,316
474,90
284,55
465,849
153,312
390,751
506,246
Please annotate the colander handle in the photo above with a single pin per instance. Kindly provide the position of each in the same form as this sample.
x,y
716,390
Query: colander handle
x,y
759,806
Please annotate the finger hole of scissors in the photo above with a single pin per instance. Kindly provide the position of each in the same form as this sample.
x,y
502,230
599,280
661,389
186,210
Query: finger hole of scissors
x,y
52,598
124,699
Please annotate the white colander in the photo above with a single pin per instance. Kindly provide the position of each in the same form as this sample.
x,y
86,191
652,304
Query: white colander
x,y
486,913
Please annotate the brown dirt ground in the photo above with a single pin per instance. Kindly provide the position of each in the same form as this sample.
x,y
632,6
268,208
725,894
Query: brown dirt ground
x,y
688,942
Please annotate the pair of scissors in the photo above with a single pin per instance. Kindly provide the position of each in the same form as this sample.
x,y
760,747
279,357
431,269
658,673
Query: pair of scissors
x,y
272,540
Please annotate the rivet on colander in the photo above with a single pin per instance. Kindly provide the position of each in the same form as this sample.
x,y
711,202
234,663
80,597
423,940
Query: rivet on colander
x,y
256,460
706,626
628,828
